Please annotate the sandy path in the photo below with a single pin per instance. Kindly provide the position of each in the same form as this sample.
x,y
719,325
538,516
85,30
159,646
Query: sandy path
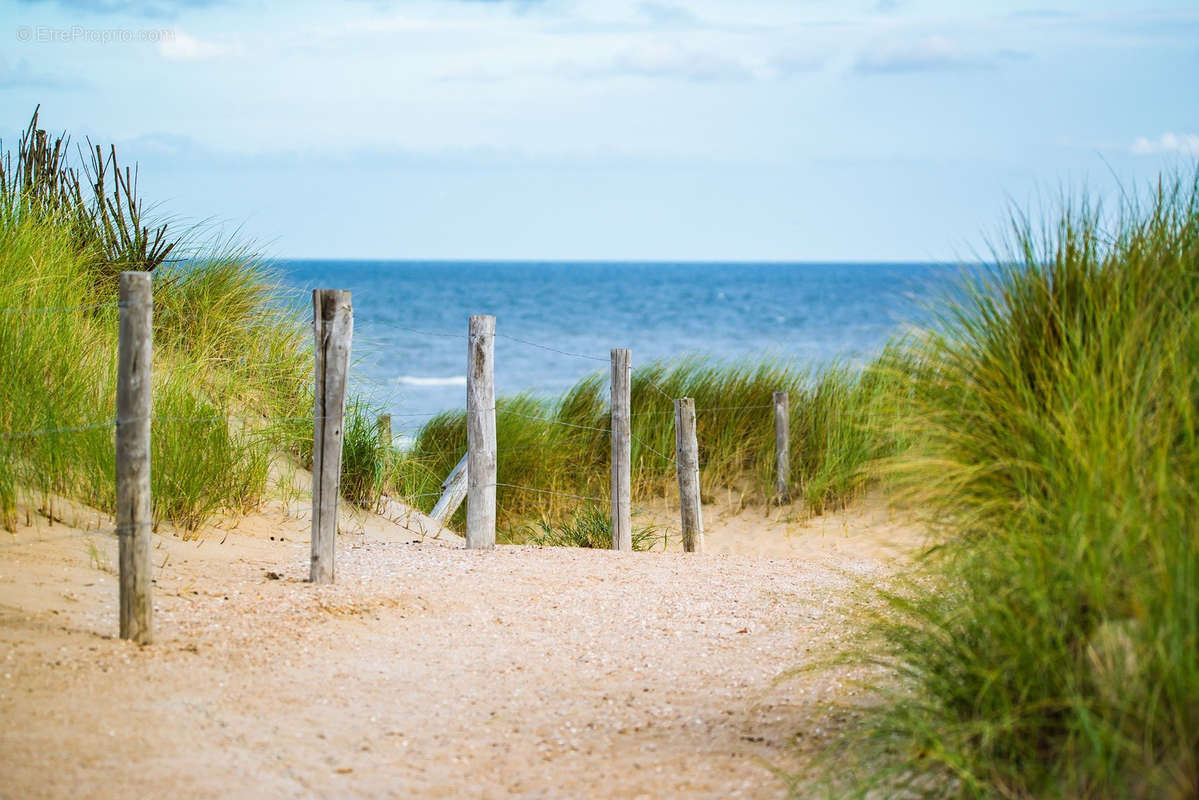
x,y
427,670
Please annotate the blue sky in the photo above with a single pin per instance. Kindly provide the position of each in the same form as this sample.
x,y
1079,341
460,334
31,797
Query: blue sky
x,y
612,129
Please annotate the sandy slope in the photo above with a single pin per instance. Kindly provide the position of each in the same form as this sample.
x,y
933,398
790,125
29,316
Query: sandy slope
x,y
428,670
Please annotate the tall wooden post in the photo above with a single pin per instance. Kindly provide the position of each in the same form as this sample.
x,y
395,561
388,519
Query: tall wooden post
x,y
135,356
384,427
782,447
480,434
620,427
687,457
333,330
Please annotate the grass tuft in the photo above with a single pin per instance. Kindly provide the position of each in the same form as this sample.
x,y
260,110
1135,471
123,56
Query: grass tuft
x,y
589,527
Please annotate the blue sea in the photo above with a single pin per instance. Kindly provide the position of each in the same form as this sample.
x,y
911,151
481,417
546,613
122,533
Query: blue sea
x,y
410,318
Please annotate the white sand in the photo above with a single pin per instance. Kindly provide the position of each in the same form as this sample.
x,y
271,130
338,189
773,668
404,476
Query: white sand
x,y
428,670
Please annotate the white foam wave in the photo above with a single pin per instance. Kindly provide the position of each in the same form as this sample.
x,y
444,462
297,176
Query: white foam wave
x,y
420,380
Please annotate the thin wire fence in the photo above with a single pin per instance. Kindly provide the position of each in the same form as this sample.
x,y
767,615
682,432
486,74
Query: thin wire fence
x,y
547,491
426,415
58,309
113,423
54,431
520,340
641,442
133,465
159,311
551,349
551,421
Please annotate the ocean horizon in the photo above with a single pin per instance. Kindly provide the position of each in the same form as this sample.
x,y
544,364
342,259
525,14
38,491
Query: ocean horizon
x,y
556,321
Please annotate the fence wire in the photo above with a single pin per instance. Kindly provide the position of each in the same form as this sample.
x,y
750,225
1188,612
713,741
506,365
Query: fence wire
x,y
641,442
539,446
57,309
700,410
553,421
66,429
158,312
549,491
417,331
552,349
113,423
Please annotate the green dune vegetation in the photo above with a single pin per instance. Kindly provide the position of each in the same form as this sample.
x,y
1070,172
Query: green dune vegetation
x,y
229,355
562,445
1050,646
1044,425
233,370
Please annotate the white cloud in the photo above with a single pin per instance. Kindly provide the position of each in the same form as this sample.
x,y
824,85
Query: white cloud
x,y
925,55
147,8
667,61
665,14
656,61
1186,144
178,46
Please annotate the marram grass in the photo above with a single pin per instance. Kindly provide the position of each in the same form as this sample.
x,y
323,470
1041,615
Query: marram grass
x,y
233,387
225,359
561,446
1050,647
1045,424
228,356
589,527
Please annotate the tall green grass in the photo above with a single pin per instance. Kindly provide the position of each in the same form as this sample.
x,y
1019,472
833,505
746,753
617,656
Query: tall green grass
x,y
1050,647
562,445
222,366
229,355
91,200
368,463
232,381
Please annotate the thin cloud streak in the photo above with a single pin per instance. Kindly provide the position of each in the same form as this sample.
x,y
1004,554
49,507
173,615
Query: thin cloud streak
x,y
156,9
1186,144
929,54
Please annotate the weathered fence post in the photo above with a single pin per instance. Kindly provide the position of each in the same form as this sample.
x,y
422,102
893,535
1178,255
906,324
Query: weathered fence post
x,y
135,355
384,428
782,447
620,427
453,492
333,330
480,433
687,457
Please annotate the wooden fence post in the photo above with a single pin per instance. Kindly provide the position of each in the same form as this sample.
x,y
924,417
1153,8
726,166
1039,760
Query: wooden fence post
x,y
620,427
782,447
453,492
480,434
687,457
333,330
384,428
135,356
